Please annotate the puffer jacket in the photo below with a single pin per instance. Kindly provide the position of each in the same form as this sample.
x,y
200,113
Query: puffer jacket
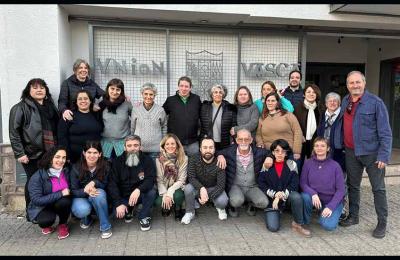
x,y
229,120
71,86
25,129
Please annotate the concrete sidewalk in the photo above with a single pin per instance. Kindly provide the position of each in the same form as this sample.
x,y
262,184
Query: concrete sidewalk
x,y
207,235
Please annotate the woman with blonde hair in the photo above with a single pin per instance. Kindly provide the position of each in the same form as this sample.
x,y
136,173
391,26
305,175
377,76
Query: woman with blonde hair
x,y
171,175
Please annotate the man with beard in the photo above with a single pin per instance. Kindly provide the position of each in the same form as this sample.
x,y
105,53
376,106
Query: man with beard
x,y
294,92
206,182
132,180
243,162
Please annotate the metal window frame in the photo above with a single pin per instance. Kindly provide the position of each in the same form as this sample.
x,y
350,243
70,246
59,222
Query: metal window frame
x,y
239,32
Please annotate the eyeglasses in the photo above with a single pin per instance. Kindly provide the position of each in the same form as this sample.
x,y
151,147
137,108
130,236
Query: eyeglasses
x,y
280,151
241,140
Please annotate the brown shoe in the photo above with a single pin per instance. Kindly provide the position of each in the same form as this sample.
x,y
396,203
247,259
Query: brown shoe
x,y
300,229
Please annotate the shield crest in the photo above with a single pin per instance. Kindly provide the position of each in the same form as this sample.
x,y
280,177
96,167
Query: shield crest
x,y
205,69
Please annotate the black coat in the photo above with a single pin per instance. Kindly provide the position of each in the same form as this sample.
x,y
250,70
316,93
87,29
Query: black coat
x,y
270,183
259,155
25,129
124,180
78,185
183,119
71,86
228,120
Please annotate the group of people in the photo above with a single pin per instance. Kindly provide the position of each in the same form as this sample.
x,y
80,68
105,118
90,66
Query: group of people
x,y
286,151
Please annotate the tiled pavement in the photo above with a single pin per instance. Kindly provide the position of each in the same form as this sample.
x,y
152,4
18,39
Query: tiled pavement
x,y
207,235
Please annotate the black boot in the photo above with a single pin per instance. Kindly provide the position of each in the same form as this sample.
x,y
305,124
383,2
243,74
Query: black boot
x,y
165,212
349,221
380,230
178,213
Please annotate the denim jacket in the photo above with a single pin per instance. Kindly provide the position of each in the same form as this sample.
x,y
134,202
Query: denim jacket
x,y
371,129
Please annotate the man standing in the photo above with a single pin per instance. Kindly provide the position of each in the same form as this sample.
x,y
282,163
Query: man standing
x,y
294,92
132,180
368,144
206,182
243,162
183,110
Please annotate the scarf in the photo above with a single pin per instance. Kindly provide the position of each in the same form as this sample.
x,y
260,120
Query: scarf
x,y
111,106
54,172
311,120
49,120
169,164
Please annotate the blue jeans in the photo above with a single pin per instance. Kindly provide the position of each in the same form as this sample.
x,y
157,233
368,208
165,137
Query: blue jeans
x,y
146,199
82,207
329,223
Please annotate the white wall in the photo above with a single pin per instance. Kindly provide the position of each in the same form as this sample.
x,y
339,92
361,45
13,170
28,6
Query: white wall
x,y
79,41
327,49
34,44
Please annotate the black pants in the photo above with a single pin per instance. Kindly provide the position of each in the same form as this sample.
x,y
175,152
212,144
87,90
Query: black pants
x,y
61,208
30,168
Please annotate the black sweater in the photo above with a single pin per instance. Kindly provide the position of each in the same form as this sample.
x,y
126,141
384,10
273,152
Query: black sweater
x,y
124,180
183,119
74,134
202,174
78,185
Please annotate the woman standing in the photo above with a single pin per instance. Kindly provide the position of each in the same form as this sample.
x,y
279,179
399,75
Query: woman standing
x,y
80,80
276,123
218,117
171,176
33,127
86,125
116,112
247,114
309,113
89,178
149,121
281,183
50,194
269,87
322,183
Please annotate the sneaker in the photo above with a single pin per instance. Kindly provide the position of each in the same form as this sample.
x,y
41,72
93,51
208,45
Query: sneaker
x,y
233,212
251,211
222,214
128,217
187,218
145,224
106,234
85,226
350,220
380,230
47,230
301,230
63,231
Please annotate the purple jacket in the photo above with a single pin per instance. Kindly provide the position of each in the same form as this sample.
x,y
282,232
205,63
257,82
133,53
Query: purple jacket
x,y
325,178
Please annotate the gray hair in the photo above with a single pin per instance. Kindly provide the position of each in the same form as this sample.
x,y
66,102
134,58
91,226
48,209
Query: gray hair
x,y
243,130
333,95
133,138
356,72
149,86
78,62
218,86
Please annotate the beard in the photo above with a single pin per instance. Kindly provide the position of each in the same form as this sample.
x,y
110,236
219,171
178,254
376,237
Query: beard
x,y
207,156
132,159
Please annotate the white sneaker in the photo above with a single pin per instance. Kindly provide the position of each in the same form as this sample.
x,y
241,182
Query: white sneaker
x,y
222,214
187,218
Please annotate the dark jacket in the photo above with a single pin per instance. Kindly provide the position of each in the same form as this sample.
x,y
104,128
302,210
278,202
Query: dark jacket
x,y
25,129
335,153
371,129
295,97
40,191
71,86
124,180
259,155
228,120
301,113
270,183
183,119
78,185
